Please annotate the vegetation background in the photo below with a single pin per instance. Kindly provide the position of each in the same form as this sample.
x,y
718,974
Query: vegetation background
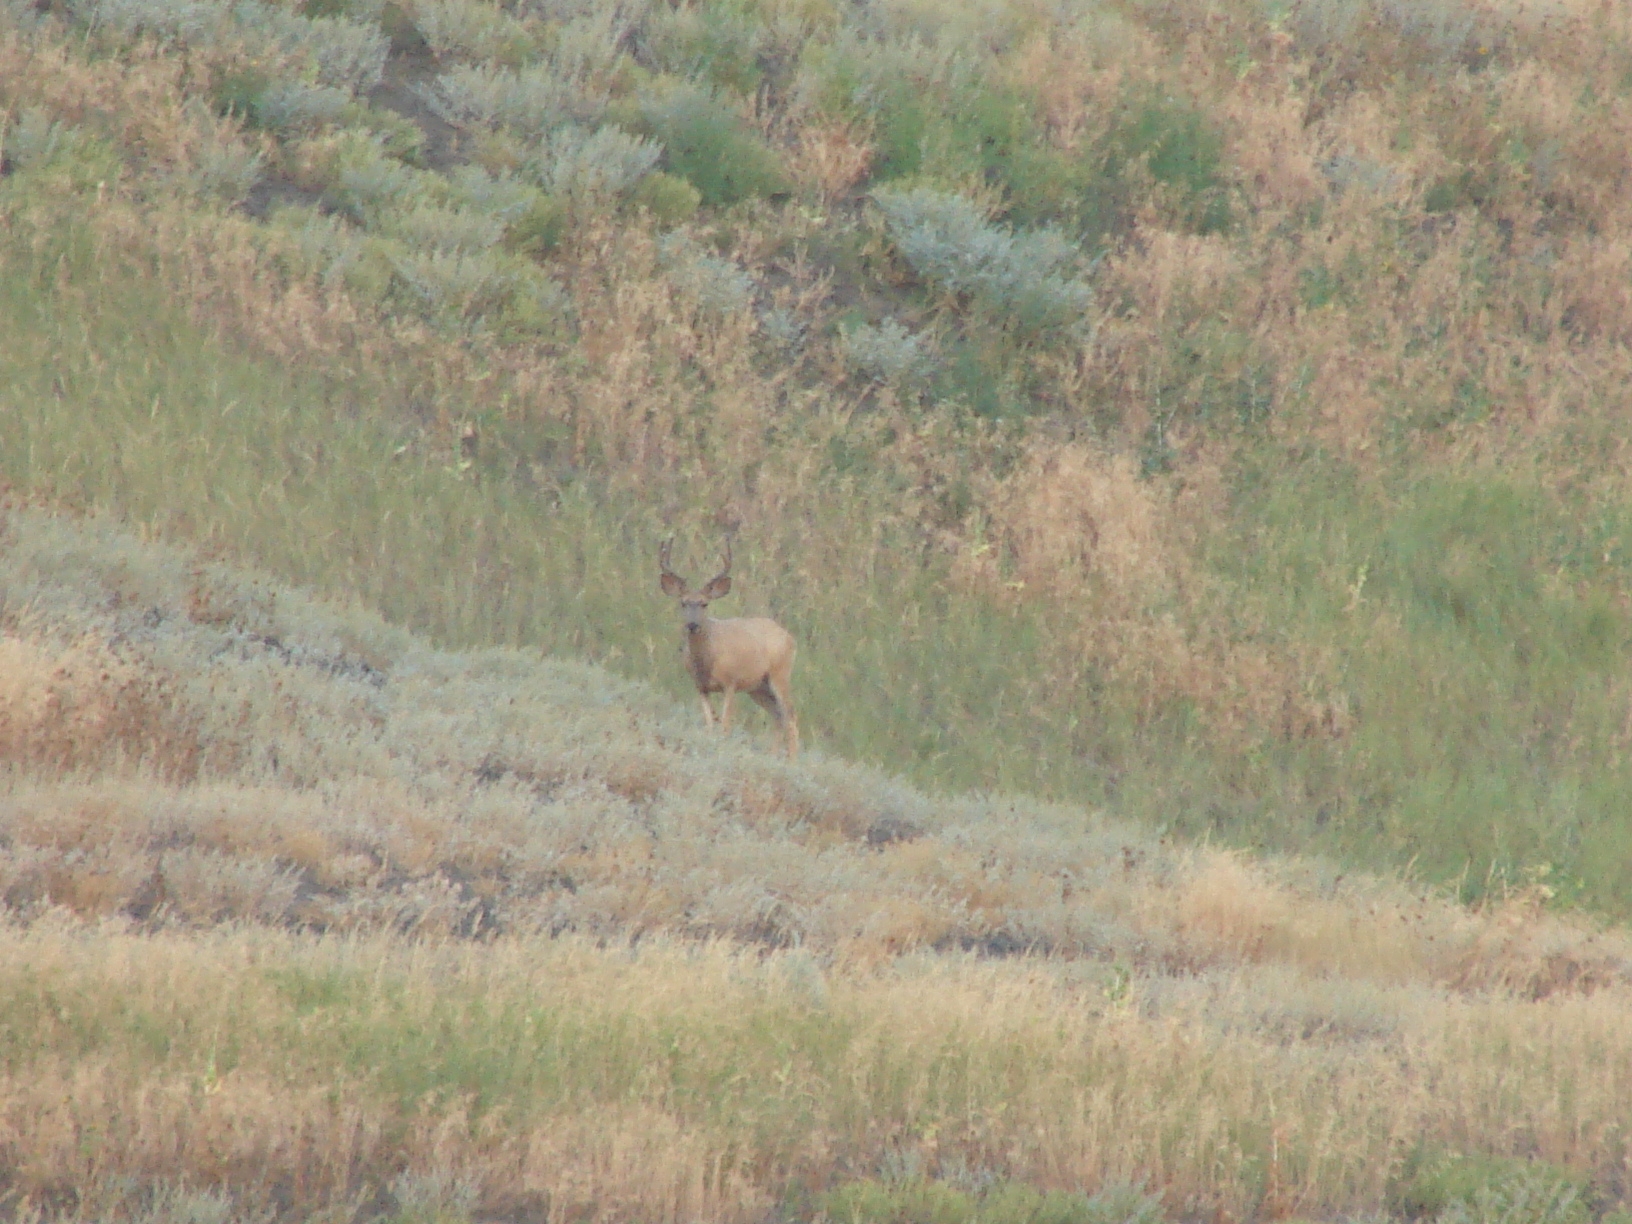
x,y
1209,413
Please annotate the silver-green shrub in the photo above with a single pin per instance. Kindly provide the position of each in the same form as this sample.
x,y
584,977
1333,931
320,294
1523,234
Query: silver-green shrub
x,y
1025,280
468,28
181,1204
451,282
434,1197
597,166
294,106
319,245
34,138
431,227
532,101
184,21
783,328
341,53
500,196
223,169
888,353
1522,1196
719,287
368,180
589,43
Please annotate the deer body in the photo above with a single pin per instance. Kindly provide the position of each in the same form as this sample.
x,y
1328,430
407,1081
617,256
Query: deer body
x,y
749,654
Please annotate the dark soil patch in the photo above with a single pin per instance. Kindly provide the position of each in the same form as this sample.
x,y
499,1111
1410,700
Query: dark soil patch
x,y
412,65
273,192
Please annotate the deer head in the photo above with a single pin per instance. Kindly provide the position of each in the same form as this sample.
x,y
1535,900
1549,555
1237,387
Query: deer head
x,y
693,604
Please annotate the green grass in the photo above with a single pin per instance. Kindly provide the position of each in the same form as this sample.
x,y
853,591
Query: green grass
x,y
117,402
1478,657
1478,632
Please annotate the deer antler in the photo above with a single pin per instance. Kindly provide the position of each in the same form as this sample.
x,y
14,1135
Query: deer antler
x,y
671,582
726,572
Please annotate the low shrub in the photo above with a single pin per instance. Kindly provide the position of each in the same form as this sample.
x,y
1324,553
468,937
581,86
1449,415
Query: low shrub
x,y
168,21
888,353
338,51
1455,1188
669,199
721,43
976,1200
1023,280
719,287
594,168
533,101
707,143
295,106
224,170
36,146
473,30
434,227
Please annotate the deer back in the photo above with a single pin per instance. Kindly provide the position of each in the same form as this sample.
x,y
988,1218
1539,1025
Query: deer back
x,y
739,652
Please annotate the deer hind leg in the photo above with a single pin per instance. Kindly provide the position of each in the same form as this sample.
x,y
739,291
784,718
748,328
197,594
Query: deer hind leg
x,y
780,702
776,705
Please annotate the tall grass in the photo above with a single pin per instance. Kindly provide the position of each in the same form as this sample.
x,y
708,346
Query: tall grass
x,y
118,401
1293,514
668,1082
1464,673
305,917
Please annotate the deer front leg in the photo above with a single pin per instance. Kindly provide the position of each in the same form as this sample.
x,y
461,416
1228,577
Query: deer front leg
x,y
725,710
708,710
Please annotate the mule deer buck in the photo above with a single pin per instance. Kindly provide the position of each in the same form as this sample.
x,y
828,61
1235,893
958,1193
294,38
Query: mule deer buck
x,y
746,654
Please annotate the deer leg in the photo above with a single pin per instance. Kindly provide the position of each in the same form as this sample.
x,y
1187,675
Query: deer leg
x,y
725,709
708,710
784,714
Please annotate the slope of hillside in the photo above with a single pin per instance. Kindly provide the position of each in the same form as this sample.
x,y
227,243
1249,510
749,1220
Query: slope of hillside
x,y
305,918
1209,411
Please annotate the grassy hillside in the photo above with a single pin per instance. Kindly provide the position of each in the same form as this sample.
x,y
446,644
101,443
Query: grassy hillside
x,y
306,918
1210,410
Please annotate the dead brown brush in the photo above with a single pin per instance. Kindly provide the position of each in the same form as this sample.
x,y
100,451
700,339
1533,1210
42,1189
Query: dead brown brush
x,y
86,707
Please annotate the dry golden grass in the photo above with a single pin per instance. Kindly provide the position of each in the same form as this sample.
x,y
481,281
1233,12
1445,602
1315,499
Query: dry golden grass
x,y
195,747
308,913
384,927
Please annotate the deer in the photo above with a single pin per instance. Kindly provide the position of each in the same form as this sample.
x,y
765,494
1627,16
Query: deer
x,y
739,654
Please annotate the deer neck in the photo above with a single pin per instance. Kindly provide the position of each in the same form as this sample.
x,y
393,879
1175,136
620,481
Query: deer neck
x,y
700,651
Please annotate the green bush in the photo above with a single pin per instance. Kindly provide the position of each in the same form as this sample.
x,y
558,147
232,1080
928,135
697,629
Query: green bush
x,y
719,42
1181,151
44,150
669,199
538,230
706,142
980,376
921,1200
1453,1188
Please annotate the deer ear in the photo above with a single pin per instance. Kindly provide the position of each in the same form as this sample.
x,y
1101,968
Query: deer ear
x,y
717,587
672,585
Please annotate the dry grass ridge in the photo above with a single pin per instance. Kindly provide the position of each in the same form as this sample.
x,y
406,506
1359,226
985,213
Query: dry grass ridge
x,y
305,917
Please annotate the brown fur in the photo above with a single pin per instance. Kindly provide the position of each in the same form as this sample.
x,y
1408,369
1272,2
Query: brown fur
x,y
749,654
